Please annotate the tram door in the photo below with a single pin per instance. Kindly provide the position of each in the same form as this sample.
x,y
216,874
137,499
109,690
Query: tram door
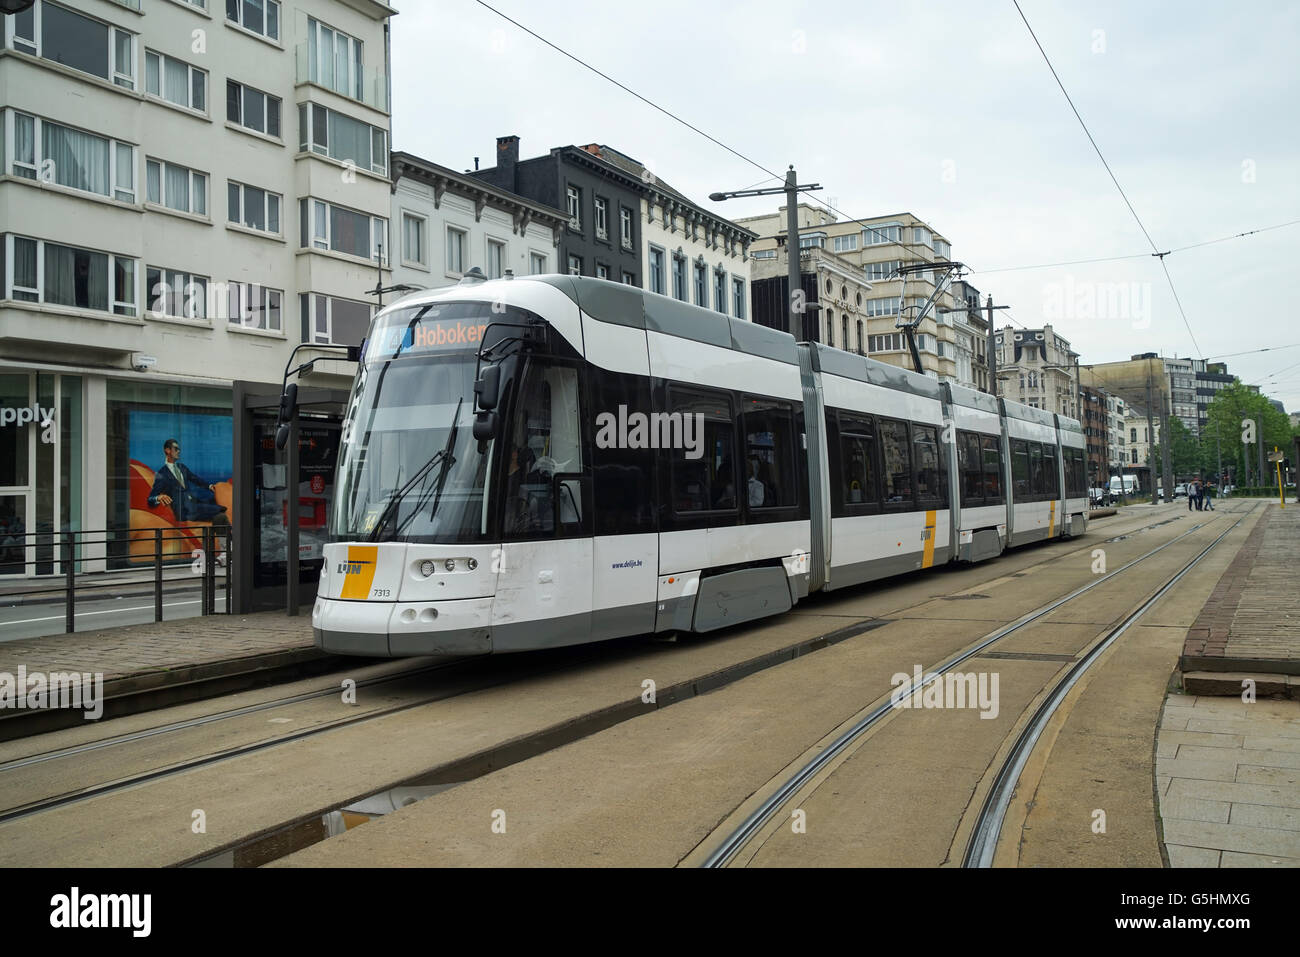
x,y
280,499
544,585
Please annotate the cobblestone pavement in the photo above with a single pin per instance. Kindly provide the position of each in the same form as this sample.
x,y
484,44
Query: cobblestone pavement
x,y
161,646
1254,613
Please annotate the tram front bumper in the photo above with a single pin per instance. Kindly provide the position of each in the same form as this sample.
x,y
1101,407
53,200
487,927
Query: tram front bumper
x,y
385,629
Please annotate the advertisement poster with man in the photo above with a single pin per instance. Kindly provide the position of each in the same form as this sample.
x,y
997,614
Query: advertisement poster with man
x,y
180,469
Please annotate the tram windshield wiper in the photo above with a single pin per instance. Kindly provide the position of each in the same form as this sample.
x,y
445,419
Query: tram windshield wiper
x,y
448,460
442,455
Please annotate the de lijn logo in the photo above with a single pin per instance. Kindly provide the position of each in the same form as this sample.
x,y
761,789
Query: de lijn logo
x,y
28,414
658,430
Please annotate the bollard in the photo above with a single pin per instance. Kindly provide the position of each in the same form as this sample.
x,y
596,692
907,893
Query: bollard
x,y
157,574
229,562
70,576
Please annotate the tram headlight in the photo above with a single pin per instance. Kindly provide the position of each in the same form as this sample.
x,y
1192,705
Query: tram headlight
x,y
427,567
473,564
450,564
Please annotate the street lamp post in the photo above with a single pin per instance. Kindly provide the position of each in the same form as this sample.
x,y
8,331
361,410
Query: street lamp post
x,y
792,189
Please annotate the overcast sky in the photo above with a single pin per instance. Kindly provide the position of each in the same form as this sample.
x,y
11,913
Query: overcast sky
x,y
946,110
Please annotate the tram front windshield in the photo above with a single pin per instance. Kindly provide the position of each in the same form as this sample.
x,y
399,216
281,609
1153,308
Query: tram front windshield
x,y
403,474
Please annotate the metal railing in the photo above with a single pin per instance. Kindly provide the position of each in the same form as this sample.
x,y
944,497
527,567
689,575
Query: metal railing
x,y
56,556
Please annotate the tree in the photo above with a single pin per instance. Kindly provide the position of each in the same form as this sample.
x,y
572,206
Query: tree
x,y
1231,407
1184,450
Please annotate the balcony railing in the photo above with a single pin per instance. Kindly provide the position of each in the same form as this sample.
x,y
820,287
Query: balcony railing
x,y
370,87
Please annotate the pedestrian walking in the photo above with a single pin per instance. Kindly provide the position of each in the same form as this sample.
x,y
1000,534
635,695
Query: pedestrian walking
x,y
1209,500
1191,495
1200,496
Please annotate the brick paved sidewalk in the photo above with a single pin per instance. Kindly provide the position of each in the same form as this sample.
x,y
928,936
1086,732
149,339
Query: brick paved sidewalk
x,y
1251,622
158,648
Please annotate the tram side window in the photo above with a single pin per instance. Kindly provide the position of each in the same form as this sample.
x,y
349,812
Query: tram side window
x,y
622,478
970,468
705,482
769,454
931,476
1078,483
1051,477
992,451
546,439
896,453
1037,484
857,467
1020,469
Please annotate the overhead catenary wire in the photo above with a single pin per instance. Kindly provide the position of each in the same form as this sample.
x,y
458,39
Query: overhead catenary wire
x,y
673,116
1155,250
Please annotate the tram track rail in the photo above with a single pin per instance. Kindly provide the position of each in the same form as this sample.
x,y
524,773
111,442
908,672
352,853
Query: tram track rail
x,y
474,765
760,818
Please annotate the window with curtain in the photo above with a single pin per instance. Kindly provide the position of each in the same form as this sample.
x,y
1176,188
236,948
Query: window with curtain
x,y
80,160
175,81
76,277
176,187
413,239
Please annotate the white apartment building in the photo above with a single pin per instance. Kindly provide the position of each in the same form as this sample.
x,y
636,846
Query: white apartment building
x,y
448,223
189,189
1117,433
877,246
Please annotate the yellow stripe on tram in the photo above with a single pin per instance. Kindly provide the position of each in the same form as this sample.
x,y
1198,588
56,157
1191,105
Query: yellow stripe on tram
x,y
360,572
928,536
1051,521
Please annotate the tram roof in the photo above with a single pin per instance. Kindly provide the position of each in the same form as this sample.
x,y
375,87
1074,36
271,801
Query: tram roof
x,y
850,365
1027,413
970,399
625,305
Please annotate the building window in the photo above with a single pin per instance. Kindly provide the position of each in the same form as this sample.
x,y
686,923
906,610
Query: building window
x,y
256,16
830,327
343,230
889,342
253,208
173,292
455,250
738,298
56,33
413,243
861,339
326,319
175,81
844,331
602,271
496,259
882,270
176,187
78,160
701,285
679,277
814,241
334,60
255,307
884,233
625,226
537,263
887,306
922,236
602,218
656,270
720,291
573,196
329,133
39,271
575,266
846,244
628,278
253,109
763,254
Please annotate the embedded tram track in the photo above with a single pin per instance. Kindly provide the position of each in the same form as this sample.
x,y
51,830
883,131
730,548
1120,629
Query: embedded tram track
x,y
987,831
470,766
759,820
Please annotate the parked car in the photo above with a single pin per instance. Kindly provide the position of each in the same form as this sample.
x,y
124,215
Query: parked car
x,y
1099,497
1180,490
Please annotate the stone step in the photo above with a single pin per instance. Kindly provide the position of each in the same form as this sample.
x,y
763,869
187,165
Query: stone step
x,y
1230,683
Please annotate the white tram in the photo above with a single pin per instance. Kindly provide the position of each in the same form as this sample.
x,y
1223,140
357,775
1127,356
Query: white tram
x,y
530,463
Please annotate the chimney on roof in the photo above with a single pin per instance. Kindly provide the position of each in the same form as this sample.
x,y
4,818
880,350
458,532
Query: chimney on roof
x,y
507,158
592,148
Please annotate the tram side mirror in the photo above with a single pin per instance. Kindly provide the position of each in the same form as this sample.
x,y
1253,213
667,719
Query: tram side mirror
x,y
281,437
486,425
487,389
